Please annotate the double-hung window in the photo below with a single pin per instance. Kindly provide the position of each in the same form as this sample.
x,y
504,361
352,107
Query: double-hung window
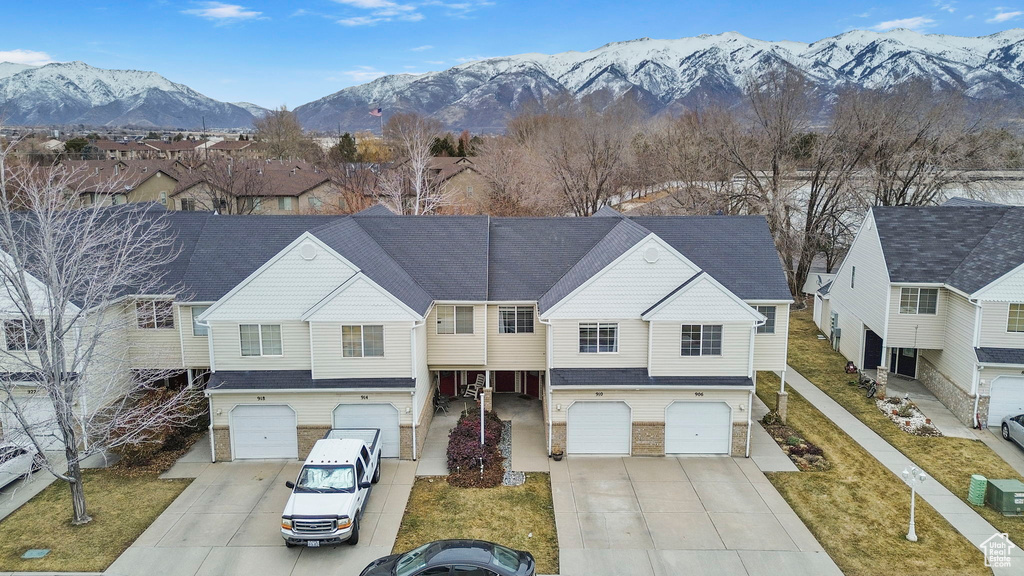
x,y
260,339
919,300
698,340
1015,319
599,337
515,319
769,325
454,319
150,314
19,338
197,328
362,341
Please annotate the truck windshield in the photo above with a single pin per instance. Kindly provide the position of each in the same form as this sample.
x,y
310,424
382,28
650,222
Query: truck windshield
x,y
326,479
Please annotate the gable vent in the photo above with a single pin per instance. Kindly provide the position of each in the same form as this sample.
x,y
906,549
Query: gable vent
x,y
652,254
307,251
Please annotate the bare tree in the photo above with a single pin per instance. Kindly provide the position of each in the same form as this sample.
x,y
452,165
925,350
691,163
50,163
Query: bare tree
x,y
281,134
518,187
408,186
228,185
68,274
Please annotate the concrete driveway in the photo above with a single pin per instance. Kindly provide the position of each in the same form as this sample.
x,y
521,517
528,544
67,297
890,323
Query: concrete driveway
x,y
227,522
667,516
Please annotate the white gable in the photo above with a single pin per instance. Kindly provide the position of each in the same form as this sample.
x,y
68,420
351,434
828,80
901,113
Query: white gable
x,y
11,304
1009,288
286,286
629,285
703,301
360,300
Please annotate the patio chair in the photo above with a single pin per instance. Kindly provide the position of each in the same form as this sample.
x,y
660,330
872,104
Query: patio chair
x,y
473,390
440,403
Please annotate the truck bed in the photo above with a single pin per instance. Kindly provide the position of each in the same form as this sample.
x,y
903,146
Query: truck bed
x,y
371,436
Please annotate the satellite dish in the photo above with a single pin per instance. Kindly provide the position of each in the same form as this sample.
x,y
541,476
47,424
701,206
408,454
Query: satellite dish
x,y
307,251
652,254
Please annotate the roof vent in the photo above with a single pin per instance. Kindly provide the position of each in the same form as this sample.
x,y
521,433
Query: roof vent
x,y
307,251
652,254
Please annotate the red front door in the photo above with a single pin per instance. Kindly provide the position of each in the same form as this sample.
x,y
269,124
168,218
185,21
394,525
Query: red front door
x,y
446,379
505,381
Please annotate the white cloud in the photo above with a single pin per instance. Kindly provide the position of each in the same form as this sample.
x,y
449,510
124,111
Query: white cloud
x,y
465,59
224,13
945,5
359,74
434,62
422,48
30,57
917,23
361,21
1003,15
380,11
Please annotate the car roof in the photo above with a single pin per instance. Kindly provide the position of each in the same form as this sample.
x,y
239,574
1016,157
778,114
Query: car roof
x,y
460,551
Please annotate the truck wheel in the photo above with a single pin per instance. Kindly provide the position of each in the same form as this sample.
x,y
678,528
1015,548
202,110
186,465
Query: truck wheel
x,y
354,538
376,473
289,544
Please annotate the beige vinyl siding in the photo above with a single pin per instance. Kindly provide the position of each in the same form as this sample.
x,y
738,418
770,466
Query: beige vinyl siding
x,y
195,349
993,326
851,342
227,350
515,351
649,405
666,359
916,330
957,359
866,300
311,408
424,381
457,349
328,361
154,347
770,349
632,352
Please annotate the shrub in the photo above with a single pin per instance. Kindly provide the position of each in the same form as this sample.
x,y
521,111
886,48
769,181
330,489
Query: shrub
x,y
771,419
893,400
794,441
465,452
905,411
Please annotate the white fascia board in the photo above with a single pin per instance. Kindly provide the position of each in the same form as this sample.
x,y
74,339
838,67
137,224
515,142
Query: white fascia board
x,y
756,316
757,302
306,390
687,387
344,285
305,236
652,236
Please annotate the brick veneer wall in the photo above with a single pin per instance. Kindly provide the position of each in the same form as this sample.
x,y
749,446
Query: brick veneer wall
x,y
405,442
308,435
558,436
425,419
221,443
648,438
739,439
959,402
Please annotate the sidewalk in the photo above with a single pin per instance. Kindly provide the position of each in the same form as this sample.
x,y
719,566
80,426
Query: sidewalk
x,y
952,508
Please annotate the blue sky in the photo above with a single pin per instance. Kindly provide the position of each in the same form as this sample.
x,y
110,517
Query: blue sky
x,y
274,53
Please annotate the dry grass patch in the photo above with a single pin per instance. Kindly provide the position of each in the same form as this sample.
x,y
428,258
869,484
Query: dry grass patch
x,y
858,510
505,515
950,461
122,507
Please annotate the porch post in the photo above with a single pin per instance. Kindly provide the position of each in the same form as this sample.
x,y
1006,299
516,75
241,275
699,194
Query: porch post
x,y
782,398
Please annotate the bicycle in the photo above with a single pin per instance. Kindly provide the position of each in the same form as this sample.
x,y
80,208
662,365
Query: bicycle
x,y
866,383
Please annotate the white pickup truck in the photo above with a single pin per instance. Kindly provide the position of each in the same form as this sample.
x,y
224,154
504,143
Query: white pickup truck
x,y
333,486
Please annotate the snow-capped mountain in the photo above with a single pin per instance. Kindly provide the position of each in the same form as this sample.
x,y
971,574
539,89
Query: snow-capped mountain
x,y
679,74
255,109
76,93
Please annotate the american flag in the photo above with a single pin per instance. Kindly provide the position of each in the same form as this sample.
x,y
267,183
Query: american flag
x,y
377,112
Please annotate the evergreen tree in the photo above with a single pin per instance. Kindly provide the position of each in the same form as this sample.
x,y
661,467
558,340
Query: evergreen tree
x,y
345,150
443,146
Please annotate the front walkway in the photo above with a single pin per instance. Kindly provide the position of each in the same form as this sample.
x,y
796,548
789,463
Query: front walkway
x,y
953,509
666,516
941,417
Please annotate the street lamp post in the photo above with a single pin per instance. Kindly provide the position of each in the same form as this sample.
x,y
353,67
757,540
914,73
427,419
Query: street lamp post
x,y
914,477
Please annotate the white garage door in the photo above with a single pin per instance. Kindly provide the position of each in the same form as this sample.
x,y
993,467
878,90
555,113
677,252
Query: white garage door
x,y
264,431
383,416
598,428
697,428
1007,398
38,411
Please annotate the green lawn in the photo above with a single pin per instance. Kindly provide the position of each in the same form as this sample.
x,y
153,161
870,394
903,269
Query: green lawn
x,y
505,515
858,510
122,507
950,461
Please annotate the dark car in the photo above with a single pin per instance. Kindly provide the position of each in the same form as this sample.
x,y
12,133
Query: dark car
x,y
455,558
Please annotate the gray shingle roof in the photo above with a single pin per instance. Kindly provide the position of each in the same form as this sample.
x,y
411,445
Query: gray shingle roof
x,y
959,201
737,251
673,292
967,247
826,288
630,377
295,379
1000,355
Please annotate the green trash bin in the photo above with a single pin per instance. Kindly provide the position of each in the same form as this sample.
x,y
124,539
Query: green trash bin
x,y
976,491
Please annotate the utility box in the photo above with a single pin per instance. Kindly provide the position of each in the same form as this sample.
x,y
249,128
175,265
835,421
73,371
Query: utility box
x,y
1006,496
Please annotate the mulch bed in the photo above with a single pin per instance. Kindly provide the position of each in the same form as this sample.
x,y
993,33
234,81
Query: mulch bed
x,y
806,455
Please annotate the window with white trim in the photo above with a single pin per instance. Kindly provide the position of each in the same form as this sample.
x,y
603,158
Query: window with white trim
x,y
919,300
701,340
197,328
769,325
19,338
152,314
284,203
362,341
515,319
599,337
260,339
454,319
1015,318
